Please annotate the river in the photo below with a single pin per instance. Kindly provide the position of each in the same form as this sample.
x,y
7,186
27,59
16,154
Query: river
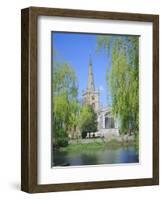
x,y
101,156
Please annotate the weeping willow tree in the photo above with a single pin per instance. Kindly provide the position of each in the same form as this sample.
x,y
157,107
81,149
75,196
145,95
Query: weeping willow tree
x,y
65,104
123,79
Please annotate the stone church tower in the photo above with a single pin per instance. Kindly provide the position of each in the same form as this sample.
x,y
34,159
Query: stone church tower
x,y
91,96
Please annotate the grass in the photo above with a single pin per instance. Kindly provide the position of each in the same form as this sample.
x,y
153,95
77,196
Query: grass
x,y
95,146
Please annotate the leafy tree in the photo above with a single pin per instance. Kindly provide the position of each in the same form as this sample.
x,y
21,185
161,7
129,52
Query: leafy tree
x,y
123,79
74,119
88,120
64,102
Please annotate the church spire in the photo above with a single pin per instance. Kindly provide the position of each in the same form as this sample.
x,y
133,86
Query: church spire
x,y
90,85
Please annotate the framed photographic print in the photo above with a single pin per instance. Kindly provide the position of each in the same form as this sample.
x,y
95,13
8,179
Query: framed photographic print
x,y
90,99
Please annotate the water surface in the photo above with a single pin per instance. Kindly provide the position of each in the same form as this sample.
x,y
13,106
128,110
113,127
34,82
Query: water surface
x,y
94,157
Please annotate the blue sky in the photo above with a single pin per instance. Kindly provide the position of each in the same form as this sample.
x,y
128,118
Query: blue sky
x,y
75,49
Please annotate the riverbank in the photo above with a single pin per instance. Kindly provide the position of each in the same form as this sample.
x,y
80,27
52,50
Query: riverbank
x,y
95,145
95,153
111,137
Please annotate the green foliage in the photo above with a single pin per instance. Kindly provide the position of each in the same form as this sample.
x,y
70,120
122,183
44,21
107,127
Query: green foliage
x,y
123,79
61,138
65,105
87,120
65,81
74,118
103,42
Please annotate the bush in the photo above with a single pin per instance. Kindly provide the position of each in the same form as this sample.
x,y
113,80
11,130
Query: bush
x,y
84,134
62,142
61,138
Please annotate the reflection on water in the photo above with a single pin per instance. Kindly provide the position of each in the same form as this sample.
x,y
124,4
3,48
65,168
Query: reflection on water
x,y
104,156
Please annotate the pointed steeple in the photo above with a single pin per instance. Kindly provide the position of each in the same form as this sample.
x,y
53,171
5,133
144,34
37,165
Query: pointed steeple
x,y
90,85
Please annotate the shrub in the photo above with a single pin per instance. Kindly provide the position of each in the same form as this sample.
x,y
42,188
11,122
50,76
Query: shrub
x,y
84,134
61,139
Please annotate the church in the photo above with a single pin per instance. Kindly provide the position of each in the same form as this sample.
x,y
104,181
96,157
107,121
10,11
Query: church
x,y
107,125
